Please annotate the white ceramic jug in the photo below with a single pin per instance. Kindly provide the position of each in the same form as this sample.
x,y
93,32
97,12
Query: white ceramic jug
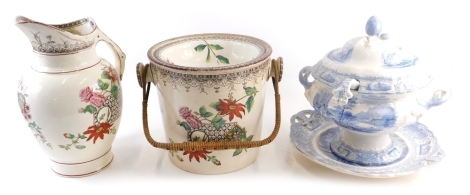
x,y
71,98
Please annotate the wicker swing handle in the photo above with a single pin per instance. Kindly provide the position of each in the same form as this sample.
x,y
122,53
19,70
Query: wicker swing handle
x,y
276,73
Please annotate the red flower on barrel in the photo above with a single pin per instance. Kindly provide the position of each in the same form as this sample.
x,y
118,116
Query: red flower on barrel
x,y
196,154
232,108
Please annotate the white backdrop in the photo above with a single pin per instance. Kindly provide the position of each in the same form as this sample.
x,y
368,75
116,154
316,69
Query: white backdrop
x,y
299,32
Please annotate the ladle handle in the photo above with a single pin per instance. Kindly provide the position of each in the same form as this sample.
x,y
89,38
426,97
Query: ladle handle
x,y
120,57
276,75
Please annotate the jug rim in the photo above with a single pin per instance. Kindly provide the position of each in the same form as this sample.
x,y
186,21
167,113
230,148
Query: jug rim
x,y
61,26
156,59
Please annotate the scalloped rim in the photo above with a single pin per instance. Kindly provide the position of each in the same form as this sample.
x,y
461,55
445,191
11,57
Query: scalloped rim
x,y
366,175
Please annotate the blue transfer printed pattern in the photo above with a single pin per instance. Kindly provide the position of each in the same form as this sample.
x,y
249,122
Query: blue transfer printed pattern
x,y
377,118
398,58
420,149
386,156
328,78
373,84
341,54
320,101
378,86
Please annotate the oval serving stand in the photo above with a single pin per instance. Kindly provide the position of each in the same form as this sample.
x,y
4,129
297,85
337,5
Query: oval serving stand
x,y
367,98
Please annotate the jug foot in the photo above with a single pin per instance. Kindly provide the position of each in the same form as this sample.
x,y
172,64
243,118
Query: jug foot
x,y
83,169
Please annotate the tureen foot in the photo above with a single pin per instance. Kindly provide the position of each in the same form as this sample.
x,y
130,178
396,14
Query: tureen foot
x,y
367,150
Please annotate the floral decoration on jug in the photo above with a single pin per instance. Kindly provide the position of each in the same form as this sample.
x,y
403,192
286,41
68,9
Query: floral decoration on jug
x,y
26,111
103,104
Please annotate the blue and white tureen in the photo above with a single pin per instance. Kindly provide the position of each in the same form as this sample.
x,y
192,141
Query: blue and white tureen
x,y
370,88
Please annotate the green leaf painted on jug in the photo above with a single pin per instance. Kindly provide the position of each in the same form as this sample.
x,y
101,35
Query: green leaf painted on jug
x,y
114,90
104,75
90,109
102,85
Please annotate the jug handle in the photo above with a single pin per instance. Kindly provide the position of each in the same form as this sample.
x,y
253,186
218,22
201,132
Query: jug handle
x,y
142,77
120,57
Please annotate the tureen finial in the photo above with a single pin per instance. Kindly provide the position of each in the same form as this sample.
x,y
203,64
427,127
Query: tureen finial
x,y
373,26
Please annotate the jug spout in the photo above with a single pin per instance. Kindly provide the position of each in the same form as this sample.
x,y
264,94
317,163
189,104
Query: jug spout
x,y
58,38
67,47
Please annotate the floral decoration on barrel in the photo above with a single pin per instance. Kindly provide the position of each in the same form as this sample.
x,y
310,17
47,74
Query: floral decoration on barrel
x,y
207,126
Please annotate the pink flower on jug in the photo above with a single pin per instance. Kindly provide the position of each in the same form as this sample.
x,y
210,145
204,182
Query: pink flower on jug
x,y
85,94
97,99
27,116
190,118
26,111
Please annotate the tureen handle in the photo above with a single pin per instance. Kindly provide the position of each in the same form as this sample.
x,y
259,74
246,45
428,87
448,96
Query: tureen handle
x,y
304,74
343,93
439,97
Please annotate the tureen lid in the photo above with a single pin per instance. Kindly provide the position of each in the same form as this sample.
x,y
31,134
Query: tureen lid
x,y
376,62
